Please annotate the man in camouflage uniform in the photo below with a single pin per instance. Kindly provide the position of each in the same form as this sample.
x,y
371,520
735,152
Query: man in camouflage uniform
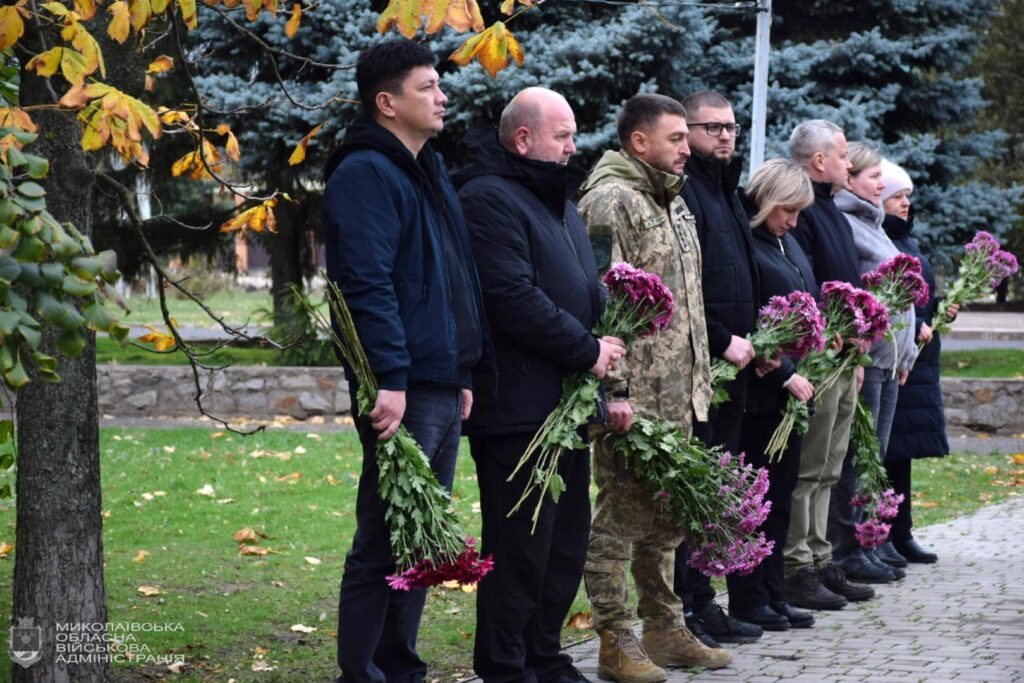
x,y
634,213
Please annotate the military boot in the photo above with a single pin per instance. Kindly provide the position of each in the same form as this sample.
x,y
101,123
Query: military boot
x,y
679,647
623,659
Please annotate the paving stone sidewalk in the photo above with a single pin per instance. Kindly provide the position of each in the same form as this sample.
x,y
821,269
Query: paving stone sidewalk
x,y
959,620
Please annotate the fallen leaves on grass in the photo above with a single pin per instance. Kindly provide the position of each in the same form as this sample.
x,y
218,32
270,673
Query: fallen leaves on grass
x,y
580,621
256,550
206,490
302,628
312,560
1018,458
149,591
279,455
5,549
991,469
290,478
140,556
248,535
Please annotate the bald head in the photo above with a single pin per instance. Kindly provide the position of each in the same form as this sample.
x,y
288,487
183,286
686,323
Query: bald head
x,y
538,124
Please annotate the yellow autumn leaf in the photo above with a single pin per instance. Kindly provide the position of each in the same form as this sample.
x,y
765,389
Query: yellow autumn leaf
x,y
140,556
73,67
404,15
299,153
509,6
188,13
252,9
85,8
6,548
56,9
120,24
16,118
248,535
12,27
76,34
163,341
141,11
493,48
159,6
270,6
463,15
148,591
46,63
1018,458
292,27
231,146
256,219
160,65
172,116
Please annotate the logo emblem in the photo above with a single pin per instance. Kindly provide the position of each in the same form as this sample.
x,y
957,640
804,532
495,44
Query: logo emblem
x,y
26,642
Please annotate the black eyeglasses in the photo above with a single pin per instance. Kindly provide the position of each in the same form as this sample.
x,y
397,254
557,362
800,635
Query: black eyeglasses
x,y
715,129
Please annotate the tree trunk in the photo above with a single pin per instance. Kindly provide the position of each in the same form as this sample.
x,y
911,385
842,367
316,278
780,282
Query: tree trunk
x,y
289,253
58,568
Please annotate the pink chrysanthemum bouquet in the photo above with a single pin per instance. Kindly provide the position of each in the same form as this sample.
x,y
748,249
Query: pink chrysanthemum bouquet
x,y
879,502
716,498
849,313
791,325
984,266
638,305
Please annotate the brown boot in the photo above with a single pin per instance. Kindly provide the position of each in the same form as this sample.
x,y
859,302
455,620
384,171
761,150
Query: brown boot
x,y
679,647
623,659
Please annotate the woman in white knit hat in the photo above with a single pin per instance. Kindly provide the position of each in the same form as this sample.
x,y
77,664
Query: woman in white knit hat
x,y
919,425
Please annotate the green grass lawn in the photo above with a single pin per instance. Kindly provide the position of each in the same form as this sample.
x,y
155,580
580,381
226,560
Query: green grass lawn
x,y
299,490
984,363
235,305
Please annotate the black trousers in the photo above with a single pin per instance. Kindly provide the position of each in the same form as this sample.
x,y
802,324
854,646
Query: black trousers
x,y
522,604
722,429
767,583
899,477
377,626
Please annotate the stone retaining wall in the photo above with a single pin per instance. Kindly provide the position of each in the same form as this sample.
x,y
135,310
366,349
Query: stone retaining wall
x,y
989,405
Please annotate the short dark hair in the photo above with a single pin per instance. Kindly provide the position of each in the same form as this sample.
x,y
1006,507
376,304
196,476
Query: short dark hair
x,y
643,110
705,98
383,67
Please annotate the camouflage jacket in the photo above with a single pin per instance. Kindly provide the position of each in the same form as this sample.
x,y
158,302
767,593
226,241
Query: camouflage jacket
x,y
634,213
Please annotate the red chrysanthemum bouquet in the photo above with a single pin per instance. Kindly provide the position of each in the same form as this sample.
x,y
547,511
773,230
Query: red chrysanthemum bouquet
x,y
716,498
984,266
427,540
879,502
849,313
639,305
791,325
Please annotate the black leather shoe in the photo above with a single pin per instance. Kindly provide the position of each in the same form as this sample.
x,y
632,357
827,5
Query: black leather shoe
x,y
726,629
805,589
697,629
763,616
797,618
887,553
859,567
873,557
834,579
913,552
568,675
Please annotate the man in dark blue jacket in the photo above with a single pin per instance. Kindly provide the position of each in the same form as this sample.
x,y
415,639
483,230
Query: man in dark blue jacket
x,y
729,276
398,250
542,297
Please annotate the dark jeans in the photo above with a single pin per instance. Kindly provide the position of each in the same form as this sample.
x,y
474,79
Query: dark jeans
x,y
722,429
377,626
522,604
880,392
899,477
767,583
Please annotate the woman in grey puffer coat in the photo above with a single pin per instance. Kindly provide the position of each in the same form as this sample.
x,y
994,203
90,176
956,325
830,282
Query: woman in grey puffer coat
x,y
861,203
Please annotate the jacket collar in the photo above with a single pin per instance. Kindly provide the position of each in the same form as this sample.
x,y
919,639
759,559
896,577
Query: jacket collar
x,y
638,174
822,190
713,173
862,209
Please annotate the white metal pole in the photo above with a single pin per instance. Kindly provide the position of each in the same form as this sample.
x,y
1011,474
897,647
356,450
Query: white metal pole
x,y
761,56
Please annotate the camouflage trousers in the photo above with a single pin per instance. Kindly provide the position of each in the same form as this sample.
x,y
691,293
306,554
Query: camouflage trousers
x,y
629,531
